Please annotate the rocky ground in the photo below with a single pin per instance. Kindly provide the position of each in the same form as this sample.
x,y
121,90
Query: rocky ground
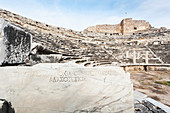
x,y
155,84
147,107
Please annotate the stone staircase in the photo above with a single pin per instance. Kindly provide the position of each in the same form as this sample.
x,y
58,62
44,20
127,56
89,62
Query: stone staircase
x,y
162,51
91,48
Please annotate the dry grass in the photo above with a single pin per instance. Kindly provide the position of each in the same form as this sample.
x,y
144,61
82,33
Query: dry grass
x,y
163,82
154,84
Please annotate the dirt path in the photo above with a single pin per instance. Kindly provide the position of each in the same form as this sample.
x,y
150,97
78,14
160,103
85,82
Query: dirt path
x,y
155,84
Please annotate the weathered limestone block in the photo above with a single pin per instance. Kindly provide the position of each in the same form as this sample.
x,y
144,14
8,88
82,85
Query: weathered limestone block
x,y
15,44
63,88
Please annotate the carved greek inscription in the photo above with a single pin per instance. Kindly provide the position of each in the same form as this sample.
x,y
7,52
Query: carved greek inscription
x,y
66,77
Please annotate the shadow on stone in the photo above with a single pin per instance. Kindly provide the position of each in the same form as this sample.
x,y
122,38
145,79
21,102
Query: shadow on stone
x,y
6,107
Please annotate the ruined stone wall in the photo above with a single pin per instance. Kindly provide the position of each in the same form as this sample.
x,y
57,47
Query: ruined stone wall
x,y
130,26
106,28
141,25
126,27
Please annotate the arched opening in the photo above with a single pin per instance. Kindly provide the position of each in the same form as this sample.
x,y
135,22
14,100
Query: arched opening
x,y
135,28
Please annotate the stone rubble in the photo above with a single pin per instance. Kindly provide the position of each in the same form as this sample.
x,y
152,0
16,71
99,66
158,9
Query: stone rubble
x,y
147,107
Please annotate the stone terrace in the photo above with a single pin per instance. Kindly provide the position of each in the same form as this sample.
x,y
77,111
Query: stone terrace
x,y
92,48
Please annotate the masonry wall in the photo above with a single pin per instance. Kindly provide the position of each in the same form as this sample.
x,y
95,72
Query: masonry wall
x,y
130,26
126,27
106,28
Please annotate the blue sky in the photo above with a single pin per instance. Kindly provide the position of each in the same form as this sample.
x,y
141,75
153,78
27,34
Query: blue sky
x,y
79,14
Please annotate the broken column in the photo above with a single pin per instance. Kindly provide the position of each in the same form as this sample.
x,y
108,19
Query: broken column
x,y
15,44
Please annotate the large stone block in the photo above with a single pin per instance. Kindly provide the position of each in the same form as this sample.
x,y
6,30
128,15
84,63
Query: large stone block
x,y
62,88
15,44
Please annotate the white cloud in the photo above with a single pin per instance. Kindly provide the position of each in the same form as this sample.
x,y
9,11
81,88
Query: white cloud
x,y
157,12
61,17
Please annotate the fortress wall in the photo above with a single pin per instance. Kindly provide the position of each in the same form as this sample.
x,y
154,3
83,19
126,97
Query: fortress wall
x,y
109,28
126,27
106,28
140,25
131,26
92,28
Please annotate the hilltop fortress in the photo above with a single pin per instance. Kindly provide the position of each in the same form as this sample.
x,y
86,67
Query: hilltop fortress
x,y
126,27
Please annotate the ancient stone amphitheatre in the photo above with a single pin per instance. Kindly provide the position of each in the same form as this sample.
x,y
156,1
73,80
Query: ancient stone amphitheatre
x,y
48,69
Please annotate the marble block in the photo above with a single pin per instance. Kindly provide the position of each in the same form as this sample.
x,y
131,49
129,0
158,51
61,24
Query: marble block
x,y
61,88
15,44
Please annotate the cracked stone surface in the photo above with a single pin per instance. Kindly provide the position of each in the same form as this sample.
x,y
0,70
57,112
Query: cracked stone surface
x,y
67,88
